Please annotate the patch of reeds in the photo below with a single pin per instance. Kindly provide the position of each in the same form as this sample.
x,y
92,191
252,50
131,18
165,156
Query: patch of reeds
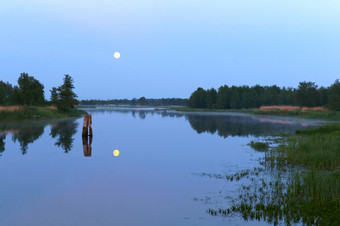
x,y
259,146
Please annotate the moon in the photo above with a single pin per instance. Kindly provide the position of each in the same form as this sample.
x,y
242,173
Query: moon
x,y
116,153
116,55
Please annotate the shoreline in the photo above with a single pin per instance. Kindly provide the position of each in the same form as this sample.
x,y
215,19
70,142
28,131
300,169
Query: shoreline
x,y
20,113
310,114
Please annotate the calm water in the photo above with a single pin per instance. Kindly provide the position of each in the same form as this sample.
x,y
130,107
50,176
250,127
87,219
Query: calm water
x,y
49,178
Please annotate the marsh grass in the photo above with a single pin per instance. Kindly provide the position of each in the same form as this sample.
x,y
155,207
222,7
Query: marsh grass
x,y
306,188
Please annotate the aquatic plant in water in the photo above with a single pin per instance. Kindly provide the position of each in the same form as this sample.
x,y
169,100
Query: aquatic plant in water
x,y
306,188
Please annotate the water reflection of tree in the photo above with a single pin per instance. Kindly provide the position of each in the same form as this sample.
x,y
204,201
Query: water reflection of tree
x,y
223,125
2,143
64,131
27,135
226,126
142,114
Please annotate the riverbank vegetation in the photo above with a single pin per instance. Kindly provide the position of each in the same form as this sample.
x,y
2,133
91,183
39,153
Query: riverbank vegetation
x,y
26,100
299,112
305,187
308,94
34,112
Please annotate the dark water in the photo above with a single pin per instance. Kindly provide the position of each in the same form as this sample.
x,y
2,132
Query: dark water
x,y
48,177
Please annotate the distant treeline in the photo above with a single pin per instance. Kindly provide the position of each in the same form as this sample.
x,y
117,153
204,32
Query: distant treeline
x,y
30,91
140,101
236,97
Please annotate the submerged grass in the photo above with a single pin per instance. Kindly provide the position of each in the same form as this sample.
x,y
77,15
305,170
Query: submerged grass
x,y
29,113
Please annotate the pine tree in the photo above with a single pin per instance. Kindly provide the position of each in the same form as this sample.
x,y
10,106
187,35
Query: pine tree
x,y
63,96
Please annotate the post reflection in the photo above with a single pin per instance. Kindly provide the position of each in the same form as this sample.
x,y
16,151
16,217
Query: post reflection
x,y
87,141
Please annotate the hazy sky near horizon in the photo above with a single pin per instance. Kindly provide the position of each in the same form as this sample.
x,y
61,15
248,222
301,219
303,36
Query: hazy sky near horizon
x,y
169,47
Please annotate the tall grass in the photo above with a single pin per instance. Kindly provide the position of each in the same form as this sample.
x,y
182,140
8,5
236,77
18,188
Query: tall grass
x,y
314,152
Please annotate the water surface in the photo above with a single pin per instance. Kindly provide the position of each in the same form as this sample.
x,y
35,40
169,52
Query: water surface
x,y
48,177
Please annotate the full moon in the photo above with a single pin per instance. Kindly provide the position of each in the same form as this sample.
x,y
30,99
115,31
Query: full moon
x,y
116,153
116,55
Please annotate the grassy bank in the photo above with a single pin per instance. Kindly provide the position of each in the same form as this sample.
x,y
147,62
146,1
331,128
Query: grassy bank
x,y
299,113
36,113
305,187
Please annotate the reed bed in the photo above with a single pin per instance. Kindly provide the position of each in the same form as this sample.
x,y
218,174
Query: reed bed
x,y
11,108
306,188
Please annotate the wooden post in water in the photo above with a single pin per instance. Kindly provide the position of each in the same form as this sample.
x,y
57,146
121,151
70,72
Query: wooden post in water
x,y
87,126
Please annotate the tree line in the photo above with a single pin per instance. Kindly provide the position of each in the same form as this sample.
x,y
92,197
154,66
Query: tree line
x,y
308,94
30,91
140,101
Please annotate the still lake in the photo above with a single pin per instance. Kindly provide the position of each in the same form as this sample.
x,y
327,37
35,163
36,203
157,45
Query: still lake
x,y
162,176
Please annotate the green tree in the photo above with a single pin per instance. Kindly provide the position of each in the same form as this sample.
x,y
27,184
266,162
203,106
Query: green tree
x,y
54,96
223,97
198,98
210,99
5,93
142,101
334,97
272,94
63,96
235,100
307,94
16,96
134,101
323,96
31,91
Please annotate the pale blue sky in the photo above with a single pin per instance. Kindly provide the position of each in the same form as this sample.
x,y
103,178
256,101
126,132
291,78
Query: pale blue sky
x,y
169,47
